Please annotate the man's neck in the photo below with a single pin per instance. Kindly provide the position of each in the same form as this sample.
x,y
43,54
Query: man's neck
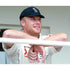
x,y
35,35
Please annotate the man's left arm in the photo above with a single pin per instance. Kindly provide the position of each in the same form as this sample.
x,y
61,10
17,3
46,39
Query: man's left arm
x,y
57,37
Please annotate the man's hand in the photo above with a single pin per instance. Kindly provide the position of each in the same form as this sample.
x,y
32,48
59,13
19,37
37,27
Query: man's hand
x,y
33,53
32,56
41,50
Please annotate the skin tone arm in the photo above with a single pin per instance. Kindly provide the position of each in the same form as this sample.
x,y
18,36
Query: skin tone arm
x,y
19,34
22,35
15,34
58,37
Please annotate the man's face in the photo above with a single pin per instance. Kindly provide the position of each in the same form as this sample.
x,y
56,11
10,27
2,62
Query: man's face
x,y
32,25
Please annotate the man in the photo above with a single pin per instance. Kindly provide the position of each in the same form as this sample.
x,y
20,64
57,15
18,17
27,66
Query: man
x,y
30,20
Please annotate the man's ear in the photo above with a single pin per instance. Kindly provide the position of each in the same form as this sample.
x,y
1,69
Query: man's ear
x,y
22,23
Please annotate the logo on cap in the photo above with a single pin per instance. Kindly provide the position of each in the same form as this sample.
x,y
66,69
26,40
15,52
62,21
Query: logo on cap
x,y
35,10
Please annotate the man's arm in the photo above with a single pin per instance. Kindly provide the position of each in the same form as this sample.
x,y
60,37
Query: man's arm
x,y
15,34
58,37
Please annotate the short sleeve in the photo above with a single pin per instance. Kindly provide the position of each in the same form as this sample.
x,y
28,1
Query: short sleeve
x,y
52,50
10,51
14,49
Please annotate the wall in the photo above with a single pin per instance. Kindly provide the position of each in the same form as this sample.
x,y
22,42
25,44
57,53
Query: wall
x,y
56,17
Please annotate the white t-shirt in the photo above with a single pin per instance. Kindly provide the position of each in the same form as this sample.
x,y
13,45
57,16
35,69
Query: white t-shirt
x,y
18,53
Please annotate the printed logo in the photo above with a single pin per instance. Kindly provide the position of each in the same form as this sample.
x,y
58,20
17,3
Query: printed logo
x,y
35,10
25,52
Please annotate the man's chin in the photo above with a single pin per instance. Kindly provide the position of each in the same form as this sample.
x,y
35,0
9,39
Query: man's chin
x,y
37,32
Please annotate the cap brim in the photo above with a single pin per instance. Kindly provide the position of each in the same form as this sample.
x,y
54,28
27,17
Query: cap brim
x,y
31,16
42,16
37,15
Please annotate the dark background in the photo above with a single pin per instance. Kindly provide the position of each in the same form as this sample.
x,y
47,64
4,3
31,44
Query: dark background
x,y
1,33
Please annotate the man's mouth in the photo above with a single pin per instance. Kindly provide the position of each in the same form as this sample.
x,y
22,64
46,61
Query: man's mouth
x,y
37,27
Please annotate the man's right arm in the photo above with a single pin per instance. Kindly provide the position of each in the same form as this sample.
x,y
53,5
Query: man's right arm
x,y
17,35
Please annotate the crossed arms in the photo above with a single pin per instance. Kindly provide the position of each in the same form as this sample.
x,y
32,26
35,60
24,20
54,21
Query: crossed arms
x,y
33,52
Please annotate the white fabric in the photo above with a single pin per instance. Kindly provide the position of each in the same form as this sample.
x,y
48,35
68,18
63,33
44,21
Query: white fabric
x,y
15,55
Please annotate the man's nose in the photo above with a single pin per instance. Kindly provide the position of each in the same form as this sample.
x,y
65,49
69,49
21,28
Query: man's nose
x,y
38,21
